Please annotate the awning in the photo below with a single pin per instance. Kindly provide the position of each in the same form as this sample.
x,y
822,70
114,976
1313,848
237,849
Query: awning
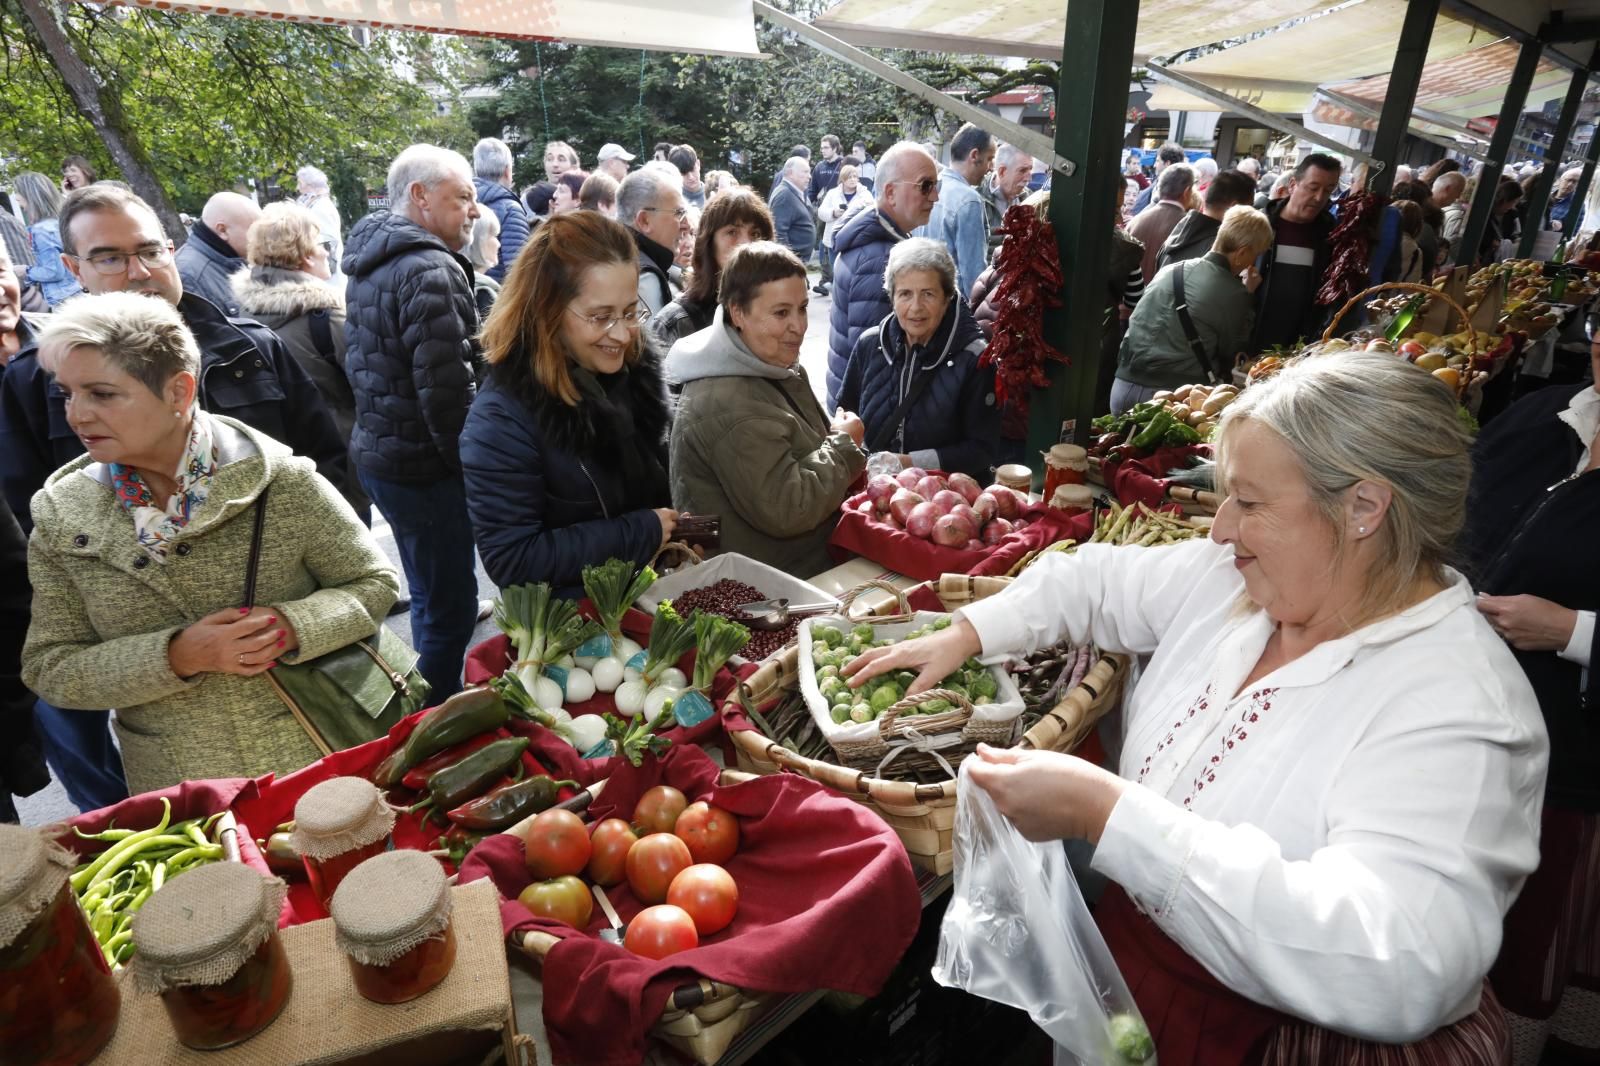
x,y
1468,85
1035,28
717,27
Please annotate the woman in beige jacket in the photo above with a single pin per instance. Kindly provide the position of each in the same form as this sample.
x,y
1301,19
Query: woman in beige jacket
x,y
140,549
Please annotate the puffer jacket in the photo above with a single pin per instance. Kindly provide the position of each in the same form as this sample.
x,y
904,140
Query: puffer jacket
x,y
206,263
411,327
545,490
246,372
514,227
955,424
861,250
751,443
104,612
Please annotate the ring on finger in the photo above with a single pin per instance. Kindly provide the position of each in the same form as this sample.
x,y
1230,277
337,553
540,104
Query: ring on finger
x,y
241,659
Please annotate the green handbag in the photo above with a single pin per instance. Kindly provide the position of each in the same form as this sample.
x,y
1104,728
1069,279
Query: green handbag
x,y
349,696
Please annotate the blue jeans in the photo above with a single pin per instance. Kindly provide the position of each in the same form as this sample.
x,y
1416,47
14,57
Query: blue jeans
x,y
1125,394
79,751
434,536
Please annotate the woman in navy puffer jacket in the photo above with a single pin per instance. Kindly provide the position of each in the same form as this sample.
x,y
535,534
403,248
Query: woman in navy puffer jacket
x,y
926,350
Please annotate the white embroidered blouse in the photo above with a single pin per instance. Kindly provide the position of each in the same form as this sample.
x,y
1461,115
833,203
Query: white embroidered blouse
x,y
1342,839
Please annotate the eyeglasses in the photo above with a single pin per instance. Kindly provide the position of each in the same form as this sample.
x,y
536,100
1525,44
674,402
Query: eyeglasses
x,y
680,213
113,263
925,186
631,319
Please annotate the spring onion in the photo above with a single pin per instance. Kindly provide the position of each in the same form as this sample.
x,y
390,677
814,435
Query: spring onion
x,y
612,587
542,629
715,639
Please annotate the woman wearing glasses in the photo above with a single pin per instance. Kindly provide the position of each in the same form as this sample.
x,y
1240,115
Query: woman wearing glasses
x,y
564,450
1533,505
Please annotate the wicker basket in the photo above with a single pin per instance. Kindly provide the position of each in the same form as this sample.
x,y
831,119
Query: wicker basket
x,y
1467,373
922,814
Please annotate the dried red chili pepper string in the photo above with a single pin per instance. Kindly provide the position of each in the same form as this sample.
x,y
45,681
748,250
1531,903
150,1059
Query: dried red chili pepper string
x,y
1350,240
1028,270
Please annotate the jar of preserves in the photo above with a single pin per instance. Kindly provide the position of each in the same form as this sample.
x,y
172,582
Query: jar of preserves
x,y
391,918
1073,499
207,942
338,825
1064,464
58,1000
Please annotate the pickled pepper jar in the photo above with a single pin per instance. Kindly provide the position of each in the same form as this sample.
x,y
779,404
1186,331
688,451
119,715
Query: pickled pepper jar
x,y
391,918
338,825
208,943
58,1000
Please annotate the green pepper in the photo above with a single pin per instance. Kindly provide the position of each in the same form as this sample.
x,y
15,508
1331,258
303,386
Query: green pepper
x,y
1180,434
457,842
417,777
456,784
509,804
1151,434
462,716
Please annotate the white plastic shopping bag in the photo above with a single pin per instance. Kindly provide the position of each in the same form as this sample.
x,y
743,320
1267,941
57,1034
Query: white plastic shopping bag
x,y
1017,932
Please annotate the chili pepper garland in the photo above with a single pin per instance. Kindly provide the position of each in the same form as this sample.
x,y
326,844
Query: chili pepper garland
x,y
1029,272
1350,239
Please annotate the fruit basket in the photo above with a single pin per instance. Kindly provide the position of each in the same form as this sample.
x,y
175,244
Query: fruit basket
x,y
1465,376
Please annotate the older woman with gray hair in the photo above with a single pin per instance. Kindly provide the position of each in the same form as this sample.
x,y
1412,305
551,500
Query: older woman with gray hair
x,y
41,202
1329,789
140,553
483,252
315,195
915,377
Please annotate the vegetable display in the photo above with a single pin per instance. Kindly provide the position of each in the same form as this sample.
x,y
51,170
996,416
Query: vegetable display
x,y
655,678
832,649
953,512
465,715
611,586
544,631
1049,674
1141,525
723,598
1169,419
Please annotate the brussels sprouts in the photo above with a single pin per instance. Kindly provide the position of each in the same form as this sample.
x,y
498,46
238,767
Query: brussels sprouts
x,y
841,713
885,697
1129,1038
827,671
861,713
863,633
935,707
942,623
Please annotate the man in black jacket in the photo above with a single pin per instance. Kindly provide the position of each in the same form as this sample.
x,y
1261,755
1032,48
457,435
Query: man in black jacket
x,y
1196,231
651,205
825,175
410,349
216,249
1292,269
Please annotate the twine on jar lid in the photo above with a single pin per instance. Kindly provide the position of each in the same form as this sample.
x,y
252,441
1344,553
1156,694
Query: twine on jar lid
x,y
203,925
390,904
32,870
340,815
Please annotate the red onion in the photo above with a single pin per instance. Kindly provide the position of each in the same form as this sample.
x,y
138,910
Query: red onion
x,y
952,531
908,478
996,531
901,503
968,513
916,472
929,485
1007,503
966,485
975,545
985,507
879,489
946,500
919,523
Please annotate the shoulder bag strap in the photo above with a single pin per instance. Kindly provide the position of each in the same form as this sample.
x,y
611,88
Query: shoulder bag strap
x,y
1184,320
919,387
321,333
255,550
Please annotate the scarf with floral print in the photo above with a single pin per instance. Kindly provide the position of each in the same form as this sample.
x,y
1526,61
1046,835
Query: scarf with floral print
x,y
155,525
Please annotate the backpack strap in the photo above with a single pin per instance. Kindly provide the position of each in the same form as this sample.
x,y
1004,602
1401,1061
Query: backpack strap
x,y
322,333
1187,322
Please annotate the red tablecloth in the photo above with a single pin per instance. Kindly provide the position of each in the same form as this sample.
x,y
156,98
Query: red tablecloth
x,y
827,899
859,534
1144,479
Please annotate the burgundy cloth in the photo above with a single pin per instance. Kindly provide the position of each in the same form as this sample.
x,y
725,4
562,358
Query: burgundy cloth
x,y
858,534
1555,915
1144,479
827,899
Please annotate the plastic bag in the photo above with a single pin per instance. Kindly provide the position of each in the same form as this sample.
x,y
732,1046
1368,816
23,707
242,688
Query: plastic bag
x,y
1017,932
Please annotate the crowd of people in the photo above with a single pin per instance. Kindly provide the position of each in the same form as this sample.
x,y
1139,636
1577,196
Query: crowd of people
x,y
549,377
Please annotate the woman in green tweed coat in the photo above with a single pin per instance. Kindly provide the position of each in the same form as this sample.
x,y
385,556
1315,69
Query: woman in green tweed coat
x,y
139,557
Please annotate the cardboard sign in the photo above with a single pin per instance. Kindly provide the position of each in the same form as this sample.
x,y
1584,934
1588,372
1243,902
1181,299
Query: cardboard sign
x,y
1440,318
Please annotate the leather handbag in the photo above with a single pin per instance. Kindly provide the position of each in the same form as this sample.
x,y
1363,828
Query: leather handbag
x,y
349,696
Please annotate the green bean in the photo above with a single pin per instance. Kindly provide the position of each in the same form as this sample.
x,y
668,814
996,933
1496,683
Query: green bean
x,y
196,834
123,847
158,876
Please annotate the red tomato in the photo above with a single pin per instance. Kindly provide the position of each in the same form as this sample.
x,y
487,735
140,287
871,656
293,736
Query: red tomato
x,y
653,863
657,932
565,899
711,832
608,855
708,893
658,809
556,844
1411,349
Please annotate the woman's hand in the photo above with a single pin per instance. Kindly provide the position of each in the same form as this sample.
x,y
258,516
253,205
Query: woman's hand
x,y
669,523
934,657
849,423
1048,795
1251,278
232,641
1529,623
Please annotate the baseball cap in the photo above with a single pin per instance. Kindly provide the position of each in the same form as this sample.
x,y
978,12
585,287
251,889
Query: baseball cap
x,y
614,151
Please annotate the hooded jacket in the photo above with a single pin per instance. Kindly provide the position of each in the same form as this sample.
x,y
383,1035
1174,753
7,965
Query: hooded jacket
x,y
751,444
246,372
104,612
303,312
411,329
954,425
546,490
861,250
1191,238
206,263
1156,353
513,216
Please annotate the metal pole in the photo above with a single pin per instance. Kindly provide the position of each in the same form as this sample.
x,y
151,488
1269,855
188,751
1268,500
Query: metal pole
x,y
1095,59
1409,56
1539,197
1499,148
1581,193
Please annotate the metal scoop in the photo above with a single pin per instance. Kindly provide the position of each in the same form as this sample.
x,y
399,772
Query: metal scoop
x,y
612,935
775,613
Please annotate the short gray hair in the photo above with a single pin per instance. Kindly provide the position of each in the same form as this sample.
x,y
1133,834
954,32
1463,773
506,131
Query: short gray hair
x,y
792,164
1006,155
920,253
1176,180
143,336
1352,416
1448,179
422,164
491,158
484,230
643,188
311,176
894,163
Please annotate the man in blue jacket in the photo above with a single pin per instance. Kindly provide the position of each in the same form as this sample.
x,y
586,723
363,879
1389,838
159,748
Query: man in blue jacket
x,y
957,220
908,187
792,220
491,168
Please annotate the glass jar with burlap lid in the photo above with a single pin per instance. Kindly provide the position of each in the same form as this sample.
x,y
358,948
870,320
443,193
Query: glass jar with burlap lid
x,y
208,943
1072,499
391,918
62,1002
339,824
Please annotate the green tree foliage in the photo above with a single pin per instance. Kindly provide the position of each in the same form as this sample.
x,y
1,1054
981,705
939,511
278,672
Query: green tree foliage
x,y
216,100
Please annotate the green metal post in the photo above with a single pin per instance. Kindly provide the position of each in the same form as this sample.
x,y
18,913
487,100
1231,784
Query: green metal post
x,y
1499,148
1581,193
1409,56
1539,198
1091,101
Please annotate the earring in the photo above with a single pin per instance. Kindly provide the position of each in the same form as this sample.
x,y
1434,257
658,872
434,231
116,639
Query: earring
x,y
1361,529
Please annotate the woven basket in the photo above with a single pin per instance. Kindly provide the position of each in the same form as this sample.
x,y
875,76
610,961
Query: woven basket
x,y
922,814
1467,373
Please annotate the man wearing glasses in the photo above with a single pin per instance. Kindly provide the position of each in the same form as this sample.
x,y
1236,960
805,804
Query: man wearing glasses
x,y
650,203
958,220
216,249
907,189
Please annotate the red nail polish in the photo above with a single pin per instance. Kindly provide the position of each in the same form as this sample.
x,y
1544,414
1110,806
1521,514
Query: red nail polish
x,y
280,643
244,610
271,618
282,633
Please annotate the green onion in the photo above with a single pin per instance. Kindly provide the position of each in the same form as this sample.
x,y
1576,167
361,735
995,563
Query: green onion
x,y
671,637
540,627
715,639
612,587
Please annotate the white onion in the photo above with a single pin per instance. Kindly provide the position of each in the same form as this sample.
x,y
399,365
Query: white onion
x,y
580,685
607,674
672,677
630,698
624,649
656,697
565,662
585,662
632,673
587,731
547,694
